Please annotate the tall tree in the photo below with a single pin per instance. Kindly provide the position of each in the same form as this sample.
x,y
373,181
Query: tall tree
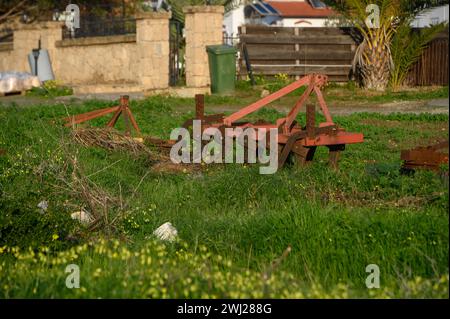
x,y
377,22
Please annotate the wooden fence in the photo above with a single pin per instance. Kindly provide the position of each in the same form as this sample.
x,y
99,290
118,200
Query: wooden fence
x,y
299,51
432,67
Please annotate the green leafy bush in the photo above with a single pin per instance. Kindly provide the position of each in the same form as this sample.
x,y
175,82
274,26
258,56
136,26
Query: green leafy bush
x,y
50,89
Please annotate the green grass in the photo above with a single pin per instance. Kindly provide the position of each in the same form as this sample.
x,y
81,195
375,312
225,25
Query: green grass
x,y
232,222
334,93
50,89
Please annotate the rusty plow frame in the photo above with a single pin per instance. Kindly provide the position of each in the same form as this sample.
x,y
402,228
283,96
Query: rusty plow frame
x,y
123,109
293,139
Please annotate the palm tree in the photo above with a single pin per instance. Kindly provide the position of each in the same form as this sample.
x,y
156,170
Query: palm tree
x,y
407,47
373,55
377,22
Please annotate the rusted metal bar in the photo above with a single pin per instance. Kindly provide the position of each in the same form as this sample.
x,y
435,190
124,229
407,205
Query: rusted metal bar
x,y
199,106
112,122
323,105
268,99
133,121
427,157
294,112
80,118
123,109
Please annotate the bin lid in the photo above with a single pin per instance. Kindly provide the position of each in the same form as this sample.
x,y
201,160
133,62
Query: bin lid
x,y
221,49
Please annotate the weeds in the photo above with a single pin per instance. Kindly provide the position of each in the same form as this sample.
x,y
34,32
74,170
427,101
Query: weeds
x,y
335,222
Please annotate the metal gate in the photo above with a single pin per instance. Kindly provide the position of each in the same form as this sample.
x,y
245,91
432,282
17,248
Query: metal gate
x,y
176,59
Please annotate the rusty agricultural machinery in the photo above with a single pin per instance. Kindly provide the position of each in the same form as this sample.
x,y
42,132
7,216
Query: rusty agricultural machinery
x,y
122,109
429,157
293,139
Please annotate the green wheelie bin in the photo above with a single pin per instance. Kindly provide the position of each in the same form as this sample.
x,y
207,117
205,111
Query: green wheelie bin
x,y
222,68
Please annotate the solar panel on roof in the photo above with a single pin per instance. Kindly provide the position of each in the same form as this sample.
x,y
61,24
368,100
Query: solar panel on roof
x,y
317,4
261,10
269,8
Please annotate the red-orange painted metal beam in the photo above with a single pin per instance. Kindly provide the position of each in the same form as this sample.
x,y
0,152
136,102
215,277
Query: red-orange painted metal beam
x,y
290,118
339,138
268,99
123,109
323,105
80,118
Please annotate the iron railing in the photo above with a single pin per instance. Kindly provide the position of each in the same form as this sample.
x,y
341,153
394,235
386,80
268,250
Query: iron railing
x,y
231,40
98,27
176,61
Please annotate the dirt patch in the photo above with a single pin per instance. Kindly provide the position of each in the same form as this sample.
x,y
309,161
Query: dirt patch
x,y
173,168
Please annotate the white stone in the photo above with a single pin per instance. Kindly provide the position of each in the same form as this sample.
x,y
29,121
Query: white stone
x,y
166,232
43,206
265,93
83,217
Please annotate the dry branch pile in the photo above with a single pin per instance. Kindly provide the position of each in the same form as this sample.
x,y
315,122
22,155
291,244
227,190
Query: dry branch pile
x,y
157,150
109,139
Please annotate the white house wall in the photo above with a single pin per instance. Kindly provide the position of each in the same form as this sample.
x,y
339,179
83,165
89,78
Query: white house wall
x,y
431,16
293,22
233,20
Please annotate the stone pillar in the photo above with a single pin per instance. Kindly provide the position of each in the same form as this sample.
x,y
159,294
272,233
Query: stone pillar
x,y
26,38
152,39
203,27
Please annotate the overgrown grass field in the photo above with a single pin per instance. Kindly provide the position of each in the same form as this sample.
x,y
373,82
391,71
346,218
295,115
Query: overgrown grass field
x,y
300,233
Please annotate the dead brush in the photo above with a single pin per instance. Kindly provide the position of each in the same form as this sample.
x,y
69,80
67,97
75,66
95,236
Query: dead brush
x,y
69,181
156,150
109,139
106,210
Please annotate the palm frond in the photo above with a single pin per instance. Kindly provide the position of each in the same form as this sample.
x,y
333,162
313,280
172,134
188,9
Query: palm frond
x,y
407,48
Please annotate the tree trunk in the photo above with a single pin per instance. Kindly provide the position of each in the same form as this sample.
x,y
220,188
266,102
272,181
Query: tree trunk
x,y
377,68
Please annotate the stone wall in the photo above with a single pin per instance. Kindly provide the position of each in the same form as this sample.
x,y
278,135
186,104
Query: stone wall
x,y
139,61
152,36
99,60
203,27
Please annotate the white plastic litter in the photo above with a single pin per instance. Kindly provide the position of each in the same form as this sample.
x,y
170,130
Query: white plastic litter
x,y
166,232
83,217
17,82
43,206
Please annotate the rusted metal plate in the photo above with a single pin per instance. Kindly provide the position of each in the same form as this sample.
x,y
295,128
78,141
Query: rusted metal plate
x,y
431,157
